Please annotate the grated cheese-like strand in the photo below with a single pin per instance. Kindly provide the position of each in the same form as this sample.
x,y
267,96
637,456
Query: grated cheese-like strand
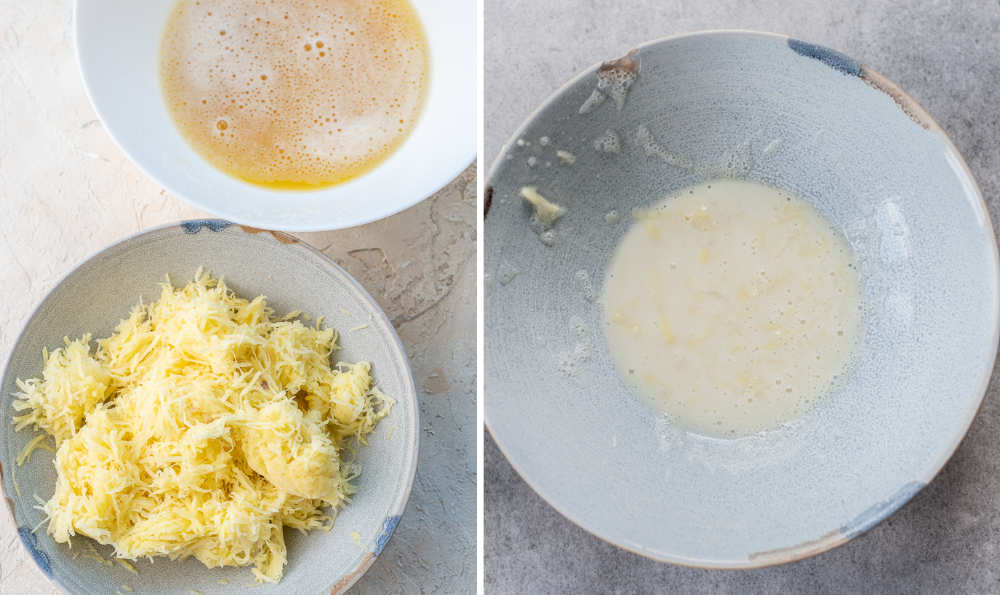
x,y
203,426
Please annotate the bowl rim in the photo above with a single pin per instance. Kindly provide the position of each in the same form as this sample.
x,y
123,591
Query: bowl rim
x,y
361,218
397,508
829,541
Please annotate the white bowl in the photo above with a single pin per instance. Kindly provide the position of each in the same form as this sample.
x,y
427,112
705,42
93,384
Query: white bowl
x,y
118,47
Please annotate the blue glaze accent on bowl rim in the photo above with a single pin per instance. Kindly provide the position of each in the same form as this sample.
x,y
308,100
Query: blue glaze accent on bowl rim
x,y
383,537
877,512
831,58
872,516
31,543
195,225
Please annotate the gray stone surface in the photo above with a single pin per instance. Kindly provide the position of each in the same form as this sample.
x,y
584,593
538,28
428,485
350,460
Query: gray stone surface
x,y
946,55
66,191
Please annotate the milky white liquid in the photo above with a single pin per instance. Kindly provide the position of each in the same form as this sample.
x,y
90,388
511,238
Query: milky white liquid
x,y
731,306
294,93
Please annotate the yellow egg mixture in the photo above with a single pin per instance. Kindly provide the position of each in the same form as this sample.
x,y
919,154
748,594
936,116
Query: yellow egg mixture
x,y
294,94
203,426
731,306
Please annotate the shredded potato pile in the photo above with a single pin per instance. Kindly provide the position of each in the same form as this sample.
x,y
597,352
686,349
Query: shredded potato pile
x,y
201,427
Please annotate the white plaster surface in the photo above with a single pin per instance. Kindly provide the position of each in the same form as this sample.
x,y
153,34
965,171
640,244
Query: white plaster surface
x,y
66,191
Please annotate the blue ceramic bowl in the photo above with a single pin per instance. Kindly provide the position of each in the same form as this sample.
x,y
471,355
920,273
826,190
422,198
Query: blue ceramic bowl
x,y
293,276
786,113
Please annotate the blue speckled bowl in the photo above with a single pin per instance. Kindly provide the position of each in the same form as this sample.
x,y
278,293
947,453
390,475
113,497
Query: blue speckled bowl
x,y
786,113
293,276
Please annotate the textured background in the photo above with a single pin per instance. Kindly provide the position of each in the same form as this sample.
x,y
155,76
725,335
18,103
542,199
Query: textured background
x,y
946,54
66,191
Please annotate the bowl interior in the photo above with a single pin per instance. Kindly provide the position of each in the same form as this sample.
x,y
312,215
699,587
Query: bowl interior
x,y
801,118
293,276
118,47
